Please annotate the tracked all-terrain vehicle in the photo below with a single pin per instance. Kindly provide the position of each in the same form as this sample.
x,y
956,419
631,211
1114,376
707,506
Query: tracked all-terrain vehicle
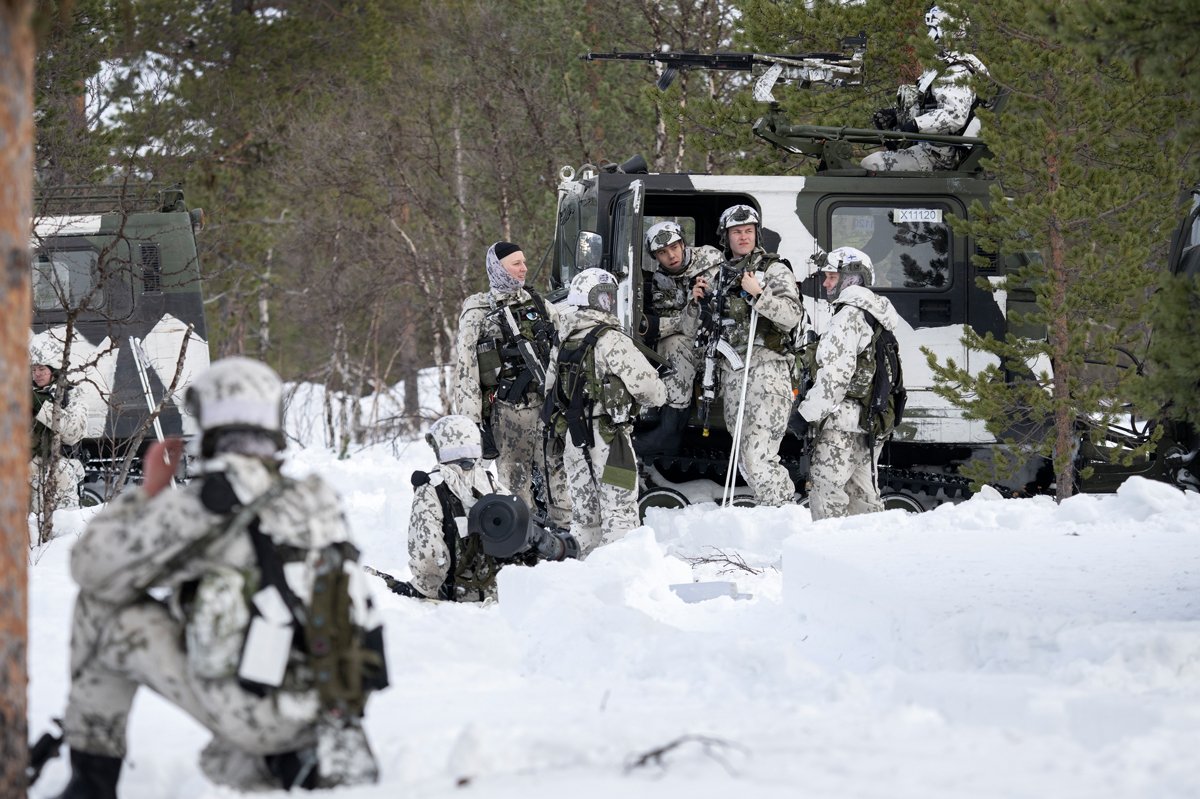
x,y
928,271
117,294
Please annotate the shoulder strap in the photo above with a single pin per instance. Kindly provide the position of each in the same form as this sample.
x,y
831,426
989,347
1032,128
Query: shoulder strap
x,y
451,507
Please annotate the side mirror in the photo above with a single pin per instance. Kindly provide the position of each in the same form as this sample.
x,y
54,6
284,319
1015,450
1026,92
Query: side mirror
x,y
589,250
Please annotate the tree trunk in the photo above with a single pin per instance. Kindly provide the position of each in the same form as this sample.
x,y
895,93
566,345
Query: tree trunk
x,y
1060,343
16,208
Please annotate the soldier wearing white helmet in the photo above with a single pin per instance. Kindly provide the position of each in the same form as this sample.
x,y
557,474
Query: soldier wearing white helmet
x,y
600,376
245,668
761,288
59,422
494,384
667,290
843,469
942,101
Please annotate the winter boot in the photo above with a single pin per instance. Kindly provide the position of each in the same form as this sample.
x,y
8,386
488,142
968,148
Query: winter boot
x,y
92,776
664,439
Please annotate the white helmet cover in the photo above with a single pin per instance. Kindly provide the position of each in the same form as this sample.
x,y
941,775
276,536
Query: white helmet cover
x,y
455,438
238,393
943,25
662,235
736,215
594,288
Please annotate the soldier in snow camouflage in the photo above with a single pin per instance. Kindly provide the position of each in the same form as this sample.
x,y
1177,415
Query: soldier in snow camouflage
x,y
942,101
58,422
668,290
438,521
842,474
188,648
768,286
493,386
599,374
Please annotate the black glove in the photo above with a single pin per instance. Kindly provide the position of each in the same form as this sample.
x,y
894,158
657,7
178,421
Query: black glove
x,y
884,119
910,126
649,329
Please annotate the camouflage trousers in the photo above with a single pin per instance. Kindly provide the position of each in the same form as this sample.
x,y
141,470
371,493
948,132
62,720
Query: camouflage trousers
x,y
842,475
518,435
680,352
918,158
600,512
764,423
62,479
115,649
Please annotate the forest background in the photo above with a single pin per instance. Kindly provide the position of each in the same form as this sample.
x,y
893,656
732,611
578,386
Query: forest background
x,y
355,159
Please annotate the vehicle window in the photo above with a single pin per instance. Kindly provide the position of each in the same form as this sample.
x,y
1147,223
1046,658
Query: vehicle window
x,y
689,235
909,246
568,236
62,280
621,233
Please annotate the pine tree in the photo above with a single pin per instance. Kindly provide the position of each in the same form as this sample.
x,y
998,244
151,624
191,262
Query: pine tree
x,y
1087,158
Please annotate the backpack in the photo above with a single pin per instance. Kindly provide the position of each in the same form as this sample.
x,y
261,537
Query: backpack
x,y
302,619
883,405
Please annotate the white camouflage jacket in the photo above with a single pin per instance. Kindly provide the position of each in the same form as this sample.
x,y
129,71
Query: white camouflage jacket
x,y
616,354
428,555
473,325
837,356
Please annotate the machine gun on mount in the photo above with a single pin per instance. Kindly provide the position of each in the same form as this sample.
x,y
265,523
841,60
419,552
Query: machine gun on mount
x,y
806,69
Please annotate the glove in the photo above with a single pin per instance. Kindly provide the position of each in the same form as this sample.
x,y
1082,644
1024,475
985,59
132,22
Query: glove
x,y
910,126
884,119
649,329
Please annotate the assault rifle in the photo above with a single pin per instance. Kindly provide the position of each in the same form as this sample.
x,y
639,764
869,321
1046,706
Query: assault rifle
x,y
712,338
535,366
806,69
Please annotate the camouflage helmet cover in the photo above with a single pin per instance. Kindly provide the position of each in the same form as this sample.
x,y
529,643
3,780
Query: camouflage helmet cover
x,y
594,288
238,393
454,438
736,215
662,235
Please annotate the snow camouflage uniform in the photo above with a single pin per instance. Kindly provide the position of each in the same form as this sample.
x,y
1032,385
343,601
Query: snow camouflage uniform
x,y
769,394
603,511
187,648
456,442
668,297
842,472
55,427
943,102
480,394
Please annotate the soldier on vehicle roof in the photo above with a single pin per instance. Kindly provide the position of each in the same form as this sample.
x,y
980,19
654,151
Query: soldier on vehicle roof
x,y
942,101
497,387
669,288
764,288
268,636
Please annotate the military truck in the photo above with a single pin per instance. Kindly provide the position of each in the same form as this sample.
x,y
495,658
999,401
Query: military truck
x,y
115,267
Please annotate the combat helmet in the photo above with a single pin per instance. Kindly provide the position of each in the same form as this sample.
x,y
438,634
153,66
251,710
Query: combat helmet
x,y
594,288
734,216
943,25
661,235
455,438
237,394
852,265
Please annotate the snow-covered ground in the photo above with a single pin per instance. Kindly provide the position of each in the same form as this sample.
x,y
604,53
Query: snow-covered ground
x,y
998,648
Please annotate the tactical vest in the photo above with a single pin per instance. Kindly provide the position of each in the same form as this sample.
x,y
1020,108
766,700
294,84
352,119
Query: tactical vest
x,y
580,396
41,438
330,652
738,308
502,371
667,295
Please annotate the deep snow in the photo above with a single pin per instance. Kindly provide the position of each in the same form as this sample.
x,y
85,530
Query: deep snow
x,y
998,648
